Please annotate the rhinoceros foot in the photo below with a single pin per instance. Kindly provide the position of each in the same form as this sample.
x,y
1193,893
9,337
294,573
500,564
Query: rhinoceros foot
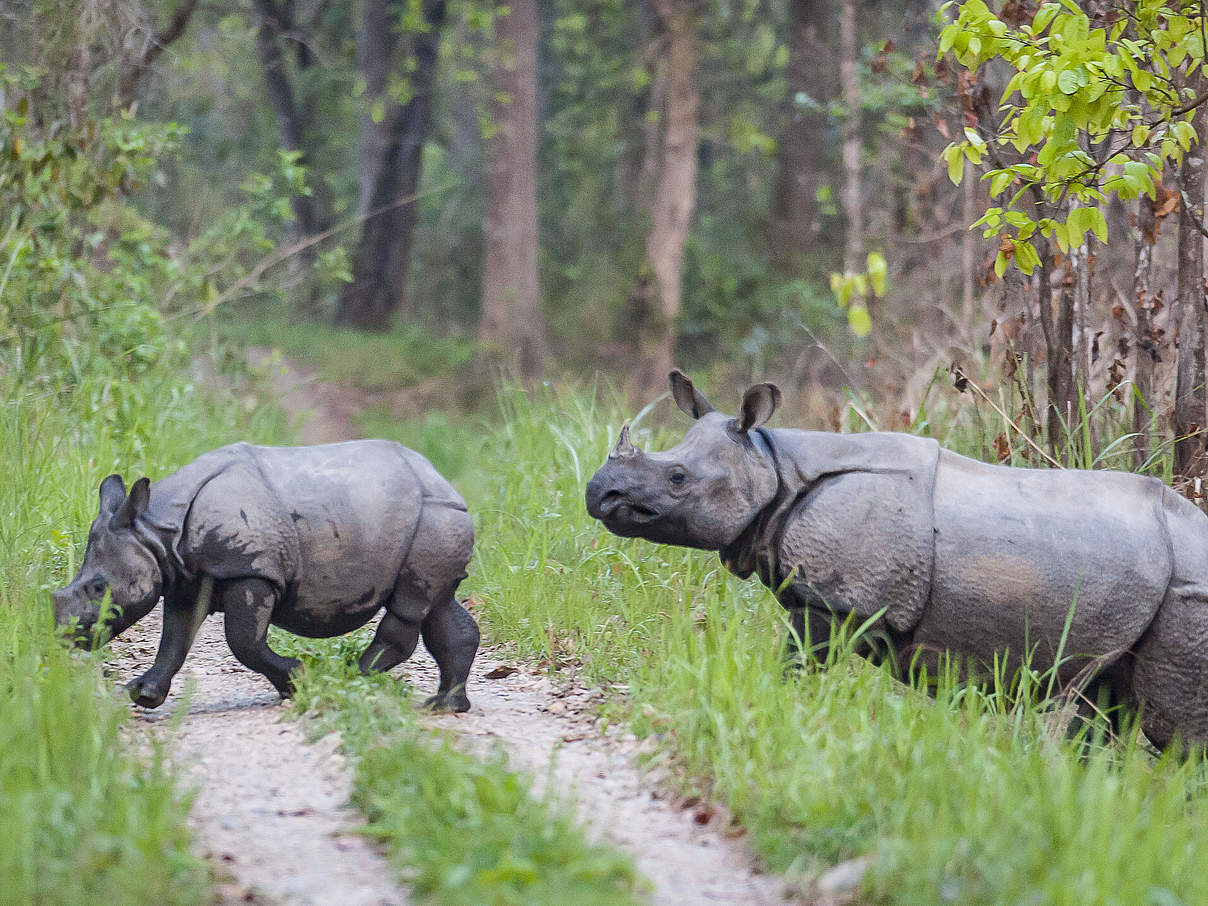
x,y
457,702
147,692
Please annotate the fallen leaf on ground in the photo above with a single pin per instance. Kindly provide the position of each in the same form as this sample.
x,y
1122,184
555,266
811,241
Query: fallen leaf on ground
x,y
500,672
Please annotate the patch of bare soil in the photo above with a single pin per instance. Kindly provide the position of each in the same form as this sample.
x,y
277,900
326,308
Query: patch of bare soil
x,y
271,812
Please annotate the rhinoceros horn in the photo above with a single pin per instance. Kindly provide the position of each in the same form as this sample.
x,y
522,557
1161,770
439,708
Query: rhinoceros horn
x,y
624,448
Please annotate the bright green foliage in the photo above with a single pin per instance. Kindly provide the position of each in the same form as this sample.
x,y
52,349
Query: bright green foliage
x,y
852,291
965,797
461,830
1094,109
86,281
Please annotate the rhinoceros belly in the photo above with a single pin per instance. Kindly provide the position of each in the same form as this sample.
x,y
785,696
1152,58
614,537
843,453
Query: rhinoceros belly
x,y
1019,553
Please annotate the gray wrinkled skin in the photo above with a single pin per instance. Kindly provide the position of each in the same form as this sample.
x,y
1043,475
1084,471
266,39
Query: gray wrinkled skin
x,y
948,553
316,540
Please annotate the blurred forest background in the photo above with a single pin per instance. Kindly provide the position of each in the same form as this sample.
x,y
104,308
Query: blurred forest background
x,y
763,188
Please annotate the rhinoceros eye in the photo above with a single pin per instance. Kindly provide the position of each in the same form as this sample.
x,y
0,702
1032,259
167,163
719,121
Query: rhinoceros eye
x,y
678,478
96,588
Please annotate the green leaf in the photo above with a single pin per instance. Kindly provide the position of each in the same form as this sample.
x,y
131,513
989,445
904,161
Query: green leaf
x,y
1000,264
878,272
1026,258
859,320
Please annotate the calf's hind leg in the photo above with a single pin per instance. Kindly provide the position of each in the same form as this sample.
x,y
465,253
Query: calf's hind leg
x,y
393,643
451,637
422,601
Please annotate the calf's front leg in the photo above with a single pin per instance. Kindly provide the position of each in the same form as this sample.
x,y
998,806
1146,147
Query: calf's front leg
x,y
176,638
248,605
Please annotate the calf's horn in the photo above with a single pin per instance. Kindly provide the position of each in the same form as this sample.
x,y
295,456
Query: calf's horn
x,y
624,447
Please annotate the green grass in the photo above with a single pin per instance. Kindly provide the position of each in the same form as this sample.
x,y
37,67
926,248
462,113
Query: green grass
x,y
460,830
84,818
451,442
964,797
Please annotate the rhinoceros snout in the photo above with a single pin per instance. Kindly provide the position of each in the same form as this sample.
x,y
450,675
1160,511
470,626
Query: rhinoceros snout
x,y
595,498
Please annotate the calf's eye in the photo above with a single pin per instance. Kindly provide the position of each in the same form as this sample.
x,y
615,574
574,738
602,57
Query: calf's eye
x,y
678,478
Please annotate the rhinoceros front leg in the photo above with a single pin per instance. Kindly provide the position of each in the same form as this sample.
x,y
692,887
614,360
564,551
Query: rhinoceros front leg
x,y
248,605
176,638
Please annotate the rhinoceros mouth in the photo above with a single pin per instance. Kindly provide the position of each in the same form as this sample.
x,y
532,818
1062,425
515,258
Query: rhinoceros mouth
x,y
616,507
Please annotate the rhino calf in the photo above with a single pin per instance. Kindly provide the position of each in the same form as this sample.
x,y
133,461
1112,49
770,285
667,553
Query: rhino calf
x,y
316,540
1100,571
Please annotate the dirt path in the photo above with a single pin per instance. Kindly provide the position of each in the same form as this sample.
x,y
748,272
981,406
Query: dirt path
x,y
271,812
551,733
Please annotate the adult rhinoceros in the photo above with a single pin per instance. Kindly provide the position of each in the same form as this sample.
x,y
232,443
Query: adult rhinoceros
x,y
1098,569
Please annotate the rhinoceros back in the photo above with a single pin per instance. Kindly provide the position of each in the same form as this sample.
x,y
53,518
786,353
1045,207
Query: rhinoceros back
x,y
327,525
1019,552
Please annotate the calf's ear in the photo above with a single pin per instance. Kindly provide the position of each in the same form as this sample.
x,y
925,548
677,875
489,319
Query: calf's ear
x,y
686,396
758,404
113,492
133,506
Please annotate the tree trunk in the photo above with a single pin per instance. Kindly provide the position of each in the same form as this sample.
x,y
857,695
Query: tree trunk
x,y
274,21
849,77
383,252
1058,343
968,246
134,69
511,326
675,197
795,222
1146,348
1189,402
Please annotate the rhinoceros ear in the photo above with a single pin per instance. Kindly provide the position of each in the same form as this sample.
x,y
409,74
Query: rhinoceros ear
x,y
686,396
758,404
113,493
133,506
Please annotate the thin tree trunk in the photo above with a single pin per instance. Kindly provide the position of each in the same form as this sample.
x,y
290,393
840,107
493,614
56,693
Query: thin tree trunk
x,y
274,20
383,252
1080,264
675,198
377,38
968,248
1058,344
795,224
849,77
134,70
511,321
1189,403
1146,349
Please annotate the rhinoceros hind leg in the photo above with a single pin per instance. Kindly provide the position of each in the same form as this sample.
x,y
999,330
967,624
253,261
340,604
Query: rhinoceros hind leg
x,y
248,606
451,637
393,643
